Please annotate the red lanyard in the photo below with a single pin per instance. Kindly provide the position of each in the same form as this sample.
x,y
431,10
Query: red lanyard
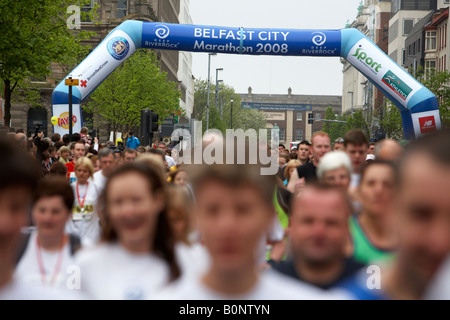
x,y
81,203
41,265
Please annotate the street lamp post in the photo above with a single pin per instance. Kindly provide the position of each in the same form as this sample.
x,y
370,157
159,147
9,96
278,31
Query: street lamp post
x,y
231,114
207,99
217,86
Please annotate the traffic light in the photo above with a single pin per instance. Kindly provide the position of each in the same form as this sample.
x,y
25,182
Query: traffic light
x,y
153,121
310,118
149,124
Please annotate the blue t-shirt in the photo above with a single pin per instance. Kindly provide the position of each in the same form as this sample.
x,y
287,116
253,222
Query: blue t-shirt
x,y
133,142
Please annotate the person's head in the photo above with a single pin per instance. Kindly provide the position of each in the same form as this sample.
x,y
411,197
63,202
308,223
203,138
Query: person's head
x,y
303,151
179,177
335,168
134,212
129,155
377,188
21,139
79,150
290,166
64,152
107,160
131,133
233,211
162,146
371,148
152,160
84,169
84,131
320,145
18,181
66,139
423,206
160,153
58,169
95,162
283,158
338,144
281,148
355,144
179,210
52,206
318,226
389,150
56,137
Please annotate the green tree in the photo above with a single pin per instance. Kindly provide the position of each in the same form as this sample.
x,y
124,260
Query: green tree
x,y
134,86
357,121
35,34
242,118
391,121
334,129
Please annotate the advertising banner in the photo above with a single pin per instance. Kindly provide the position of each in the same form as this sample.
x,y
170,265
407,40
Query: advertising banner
x,y
374,64
426,122
61,111
241,41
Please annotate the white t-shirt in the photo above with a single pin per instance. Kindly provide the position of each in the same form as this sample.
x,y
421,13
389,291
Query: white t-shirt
x,y
18,289
99,181
270,286
57,268
110,272
355,178
192,258
170,161
84,221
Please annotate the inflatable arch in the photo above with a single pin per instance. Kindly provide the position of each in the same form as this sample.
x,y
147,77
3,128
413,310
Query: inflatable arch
x,y
419,107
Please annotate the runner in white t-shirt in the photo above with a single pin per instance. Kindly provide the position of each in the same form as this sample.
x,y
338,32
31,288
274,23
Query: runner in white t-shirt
x,y
234,210
136,256
46,256
84,221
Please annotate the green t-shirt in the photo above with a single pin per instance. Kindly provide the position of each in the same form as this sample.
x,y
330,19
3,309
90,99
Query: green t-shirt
x,y
363,250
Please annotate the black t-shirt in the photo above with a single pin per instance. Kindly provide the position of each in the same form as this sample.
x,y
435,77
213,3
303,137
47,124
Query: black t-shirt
x,y
351,267
307,171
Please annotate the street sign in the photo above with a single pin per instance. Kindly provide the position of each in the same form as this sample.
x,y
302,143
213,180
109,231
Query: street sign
x,y
72,82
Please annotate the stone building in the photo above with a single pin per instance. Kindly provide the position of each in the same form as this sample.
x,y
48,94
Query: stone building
x,y
290,112
110,13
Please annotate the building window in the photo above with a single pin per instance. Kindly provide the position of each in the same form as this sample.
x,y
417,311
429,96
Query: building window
x,y
299,116
282,134
122,8
430,40
87,8
298,134
430,67
318,115
403,56
407,26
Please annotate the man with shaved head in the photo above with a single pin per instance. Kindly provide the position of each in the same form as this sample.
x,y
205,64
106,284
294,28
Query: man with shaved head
x,y
389,150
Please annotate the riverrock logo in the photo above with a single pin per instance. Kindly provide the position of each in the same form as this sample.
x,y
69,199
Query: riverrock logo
x,y
319,38
161,31
63,120
397,85
427,124
118,47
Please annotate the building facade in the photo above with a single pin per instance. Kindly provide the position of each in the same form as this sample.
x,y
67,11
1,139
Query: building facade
x,y
110,14
405,14
290,112
358,93
185,77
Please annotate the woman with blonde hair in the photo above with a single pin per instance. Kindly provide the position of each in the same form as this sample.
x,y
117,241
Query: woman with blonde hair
x,y
84,221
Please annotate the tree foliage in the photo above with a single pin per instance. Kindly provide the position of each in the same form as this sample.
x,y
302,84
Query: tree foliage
x,y
134,86
241,118
35,34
